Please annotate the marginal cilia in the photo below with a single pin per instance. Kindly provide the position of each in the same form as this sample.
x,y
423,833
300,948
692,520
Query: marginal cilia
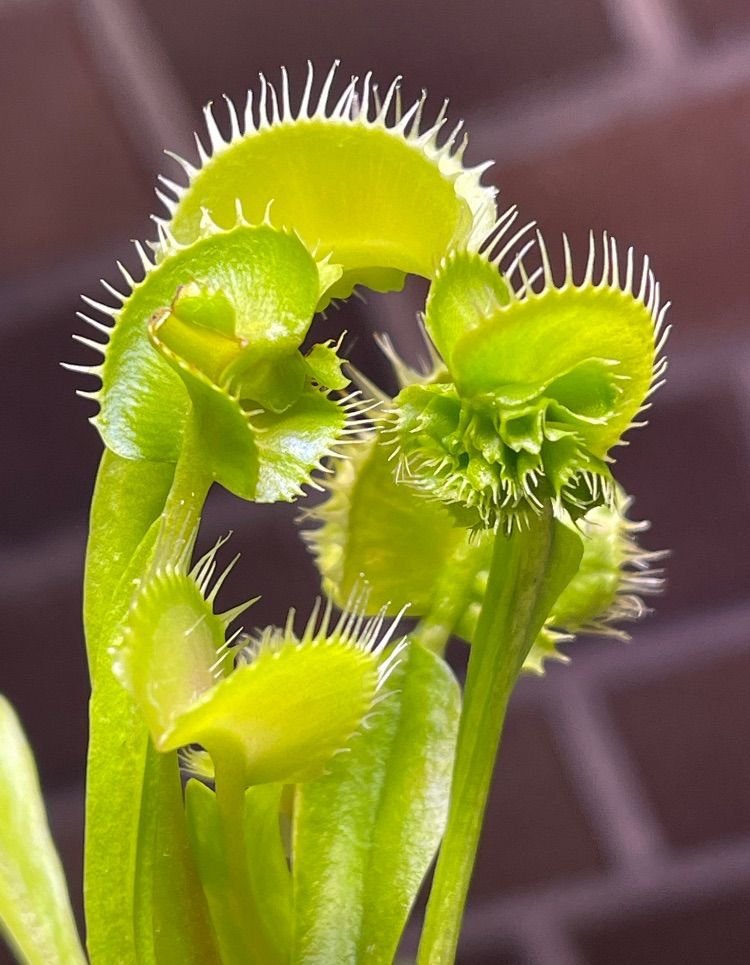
x,y
292,203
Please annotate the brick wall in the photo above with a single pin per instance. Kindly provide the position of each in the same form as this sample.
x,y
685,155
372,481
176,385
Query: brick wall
x,y
619,826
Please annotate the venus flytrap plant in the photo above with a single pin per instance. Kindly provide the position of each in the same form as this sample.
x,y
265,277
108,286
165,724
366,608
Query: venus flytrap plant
x,y
360,162
274,713
412,549
511,435
324,767
165,395
518,443
243,715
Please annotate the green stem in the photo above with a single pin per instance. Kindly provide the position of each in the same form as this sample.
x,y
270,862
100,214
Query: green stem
x,y
454,590
122,860
129,495
184,505
529,569
243,937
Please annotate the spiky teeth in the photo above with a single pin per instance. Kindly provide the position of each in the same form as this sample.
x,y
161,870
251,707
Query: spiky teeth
x,y
353,628
409,548
614,576
200,329
542,384
497,458
546,648
492,334
196,763
173,646
368,181
214,330
268,284
270,413
276,714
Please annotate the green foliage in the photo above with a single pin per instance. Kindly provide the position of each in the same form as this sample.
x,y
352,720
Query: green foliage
x,y
35,912
135,828
371,528
326,766
278,710
529,570
268,878
538,397
372,186
412,551
217,326
365,834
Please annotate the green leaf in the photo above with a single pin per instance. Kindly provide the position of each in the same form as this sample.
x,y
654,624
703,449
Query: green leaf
x,y
324,365
497,458
365,834
232,912
227,442
268,868
380,195
135,829
115,536
535,338
170,648
279,715
466,288
408,549
128,499
35,912
115,767
265,909
267,277
140,884
292,444
170,914
256,454
544,649
615,573
544,383
282,717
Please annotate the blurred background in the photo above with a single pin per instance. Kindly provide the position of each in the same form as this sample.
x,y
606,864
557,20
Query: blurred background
x,y
619,827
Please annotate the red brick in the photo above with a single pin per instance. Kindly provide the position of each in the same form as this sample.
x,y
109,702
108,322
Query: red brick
x,y
67,171
535,830
54,450
701,933
716,19
688,733
687,472
44,666
673,185
472,52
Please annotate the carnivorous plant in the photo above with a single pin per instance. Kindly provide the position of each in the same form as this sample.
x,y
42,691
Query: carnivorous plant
x,y
277,795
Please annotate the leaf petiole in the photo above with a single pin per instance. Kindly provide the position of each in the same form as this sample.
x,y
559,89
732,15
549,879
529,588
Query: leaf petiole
x,y
529,569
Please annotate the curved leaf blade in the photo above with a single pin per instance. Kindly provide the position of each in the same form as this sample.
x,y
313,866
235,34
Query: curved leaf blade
x,y
365,834
135,837
35,912
269,905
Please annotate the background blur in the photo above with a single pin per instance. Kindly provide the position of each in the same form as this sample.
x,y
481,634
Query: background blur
x,y
619,829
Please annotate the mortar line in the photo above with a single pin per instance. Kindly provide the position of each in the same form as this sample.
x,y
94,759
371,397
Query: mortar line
x,y
605,778
680,642
652,29
136,72
701,873
550,117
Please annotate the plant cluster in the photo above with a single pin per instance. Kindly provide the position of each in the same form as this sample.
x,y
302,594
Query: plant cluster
x,y
278,795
